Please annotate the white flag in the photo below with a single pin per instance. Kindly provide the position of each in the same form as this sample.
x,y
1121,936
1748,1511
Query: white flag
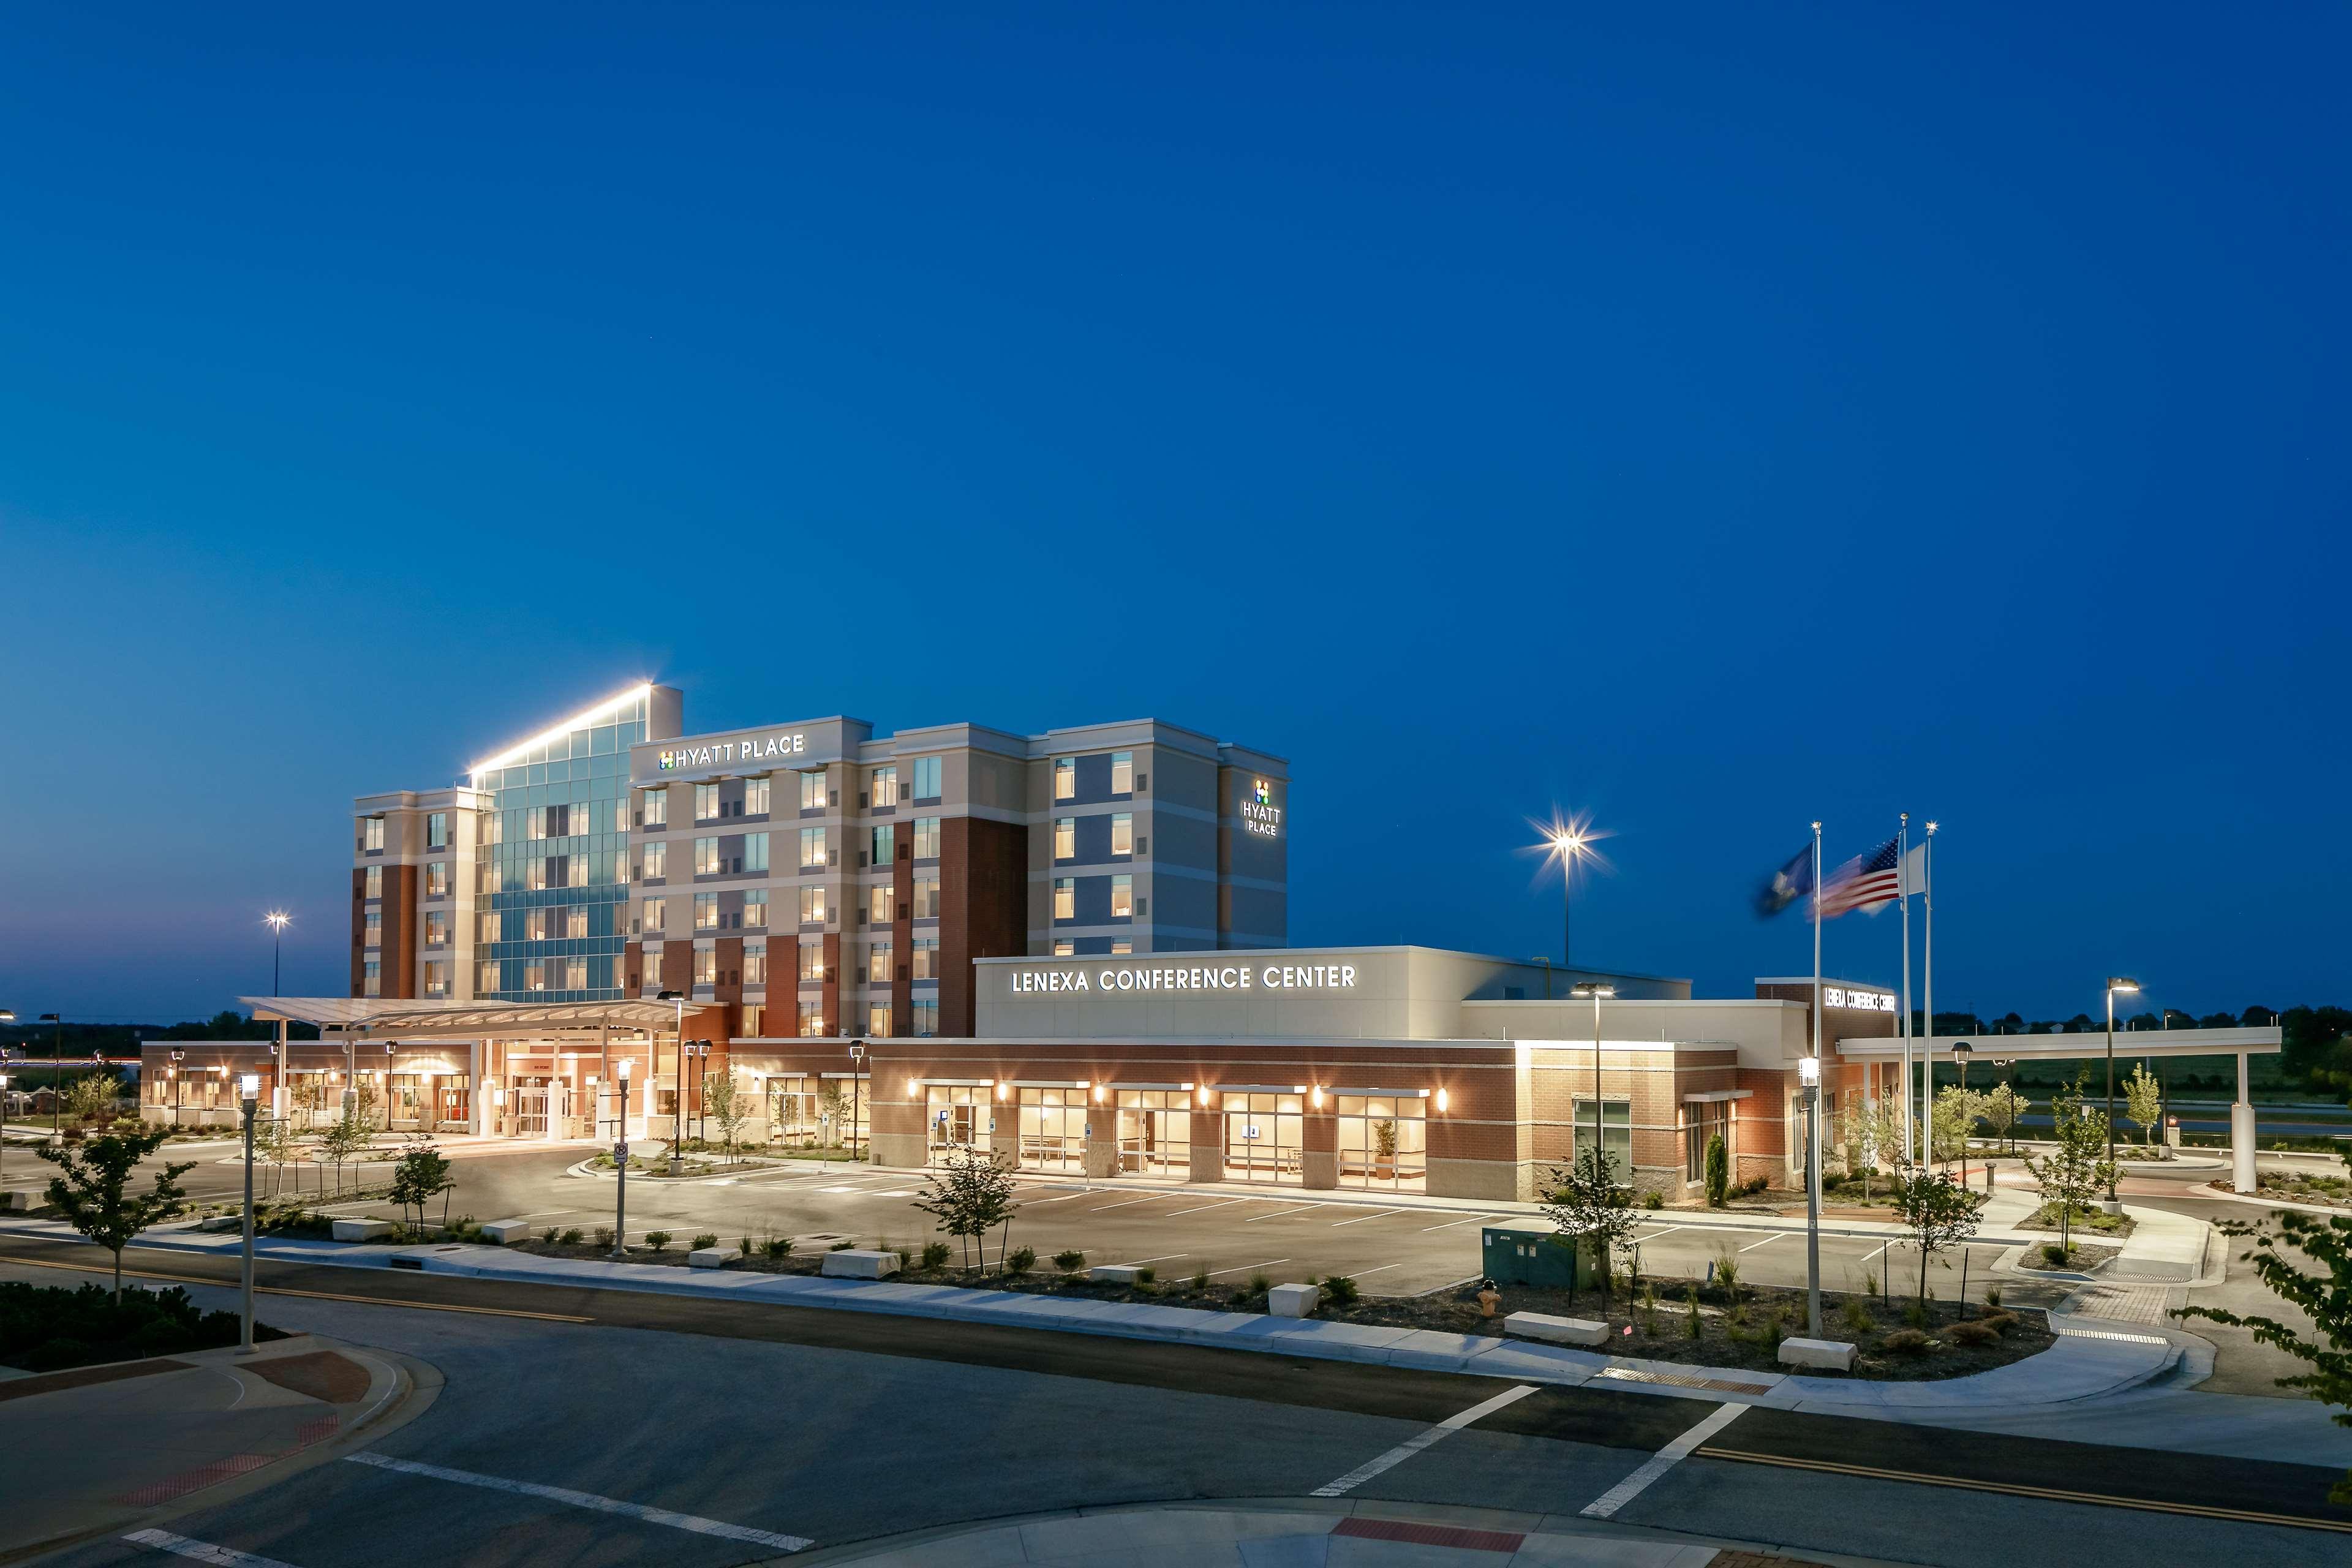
x,y
1914,870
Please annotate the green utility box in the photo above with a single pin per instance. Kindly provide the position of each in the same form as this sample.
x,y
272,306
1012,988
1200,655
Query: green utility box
x,y
1524,1256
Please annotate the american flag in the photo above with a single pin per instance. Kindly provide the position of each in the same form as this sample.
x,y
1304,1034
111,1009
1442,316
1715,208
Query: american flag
x,y
1865,882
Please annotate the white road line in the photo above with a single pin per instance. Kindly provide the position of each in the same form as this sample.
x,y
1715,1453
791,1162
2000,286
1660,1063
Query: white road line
x,y
694,1523
1383,1268
1780,1236
1129,1204
1450,1224
1278,1214
1659,1463
1138,1262
1359,1220
1882,1246
1656,1233
1415,1444
1247,1267
202,1551
1066,1197
1205,1207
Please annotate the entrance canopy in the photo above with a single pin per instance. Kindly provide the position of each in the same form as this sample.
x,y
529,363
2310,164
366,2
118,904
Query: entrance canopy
x,y
371,1017
2130,1044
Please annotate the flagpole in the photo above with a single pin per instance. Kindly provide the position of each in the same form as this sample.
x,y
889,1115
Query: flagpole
x,y
1928,891
1902,874
1817,942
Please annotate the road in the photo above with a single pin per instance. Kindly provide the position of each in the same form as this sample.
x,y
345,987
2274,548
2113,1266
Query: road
x,y
836,1427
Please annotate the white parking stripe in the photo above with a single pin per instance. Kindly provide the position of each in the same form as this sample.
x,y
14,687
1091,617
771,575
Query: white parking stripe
x,y
1279,1213
1656,1233
1768,1240
1882,1246
1383,1268
1659,1463
1151,1198
1383,1214
1205,1207
1137,1262
202,1551
1247,1267
1066,1197
1450,1224
589,1500
1415,1444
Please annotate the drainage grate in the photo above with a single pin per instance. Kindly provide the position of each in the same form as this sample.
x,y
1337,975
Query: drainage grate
x,y
1682,1379
2111,1334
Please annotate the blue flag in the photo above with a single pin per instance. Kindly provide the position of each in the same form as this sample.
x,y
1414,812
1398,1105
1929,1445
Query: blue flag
x,y
1786,886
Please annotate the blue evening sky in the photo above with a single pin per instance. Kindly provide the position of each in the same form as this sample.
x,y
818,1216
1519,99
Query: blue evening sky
x,y
1706,421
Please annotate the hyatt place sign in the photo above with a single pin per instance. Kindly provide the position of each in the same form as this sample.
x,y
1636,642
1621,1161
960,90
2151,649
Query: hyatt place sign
x,y
1165,977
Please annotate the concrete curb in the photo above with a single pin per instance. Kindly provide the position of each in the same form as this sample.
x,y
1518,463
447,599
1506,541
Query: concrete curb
x,y
2076,1368
2206,1190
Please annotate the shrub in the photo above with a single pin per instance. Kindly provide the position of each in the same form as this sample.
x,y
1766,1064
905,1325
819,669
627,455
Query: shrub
x,y
1259,1285
1690,1299
1727,1274
1856,1317
1654,1200
1650,1309
657,1239
1907,1341
2055,1254
1999,1322
1916,1314
1145,1275
548,1234
744,1246
777,1248
841,1247
1019,1262
1974,1333
708,1238
570,1237
935,1255
604,1237
1992,1297
1071,1261
1341,1289
1718,1172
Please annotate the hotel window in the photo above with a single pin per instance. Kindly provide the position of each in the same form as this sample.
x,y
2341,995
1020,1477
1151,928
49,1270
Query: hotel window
x,y
882,908
813,847
706,966
486,979
927,778
576,923
812,792
437,930
926,898
755,851
877,1018
1122,833
811,958
877,962
755,907
494,827
658,807
436,830
653,955
534,925
1065,899
926,1020
926,839
706,911
1121,947
494,877
655,918
1065,948
885,786
621,813
751,1012
374,885
372,834
927,958
755,797
491,925
535,872
705,802
372,984
755,964
1122,897
436,878
883,844
813,906
812,1018
534,824
373,927
1065,838
534,976
656,860
575,870
1122,772
1066,778
575,974
707,862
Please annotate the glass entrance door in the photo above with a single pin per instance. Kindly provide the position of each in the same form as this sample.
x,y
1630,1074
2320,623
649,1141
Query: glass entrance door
x,y
1383,1143
1155,1131
1264,1133
1054,1129
955,1118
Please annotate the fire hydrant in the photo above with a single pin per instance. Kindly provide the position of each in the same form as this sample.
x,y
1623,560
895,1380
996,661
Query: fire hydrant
x,y
1487,1297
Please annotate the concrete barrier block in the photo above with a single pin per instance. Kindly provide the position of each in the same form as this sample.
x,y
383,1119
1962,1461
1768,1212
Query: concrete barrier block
x,y
1293,1300
1835,1354
222,1222
1556,1330
21,1201
716,1256
854,1263
362,1229
505,1230
1115,1273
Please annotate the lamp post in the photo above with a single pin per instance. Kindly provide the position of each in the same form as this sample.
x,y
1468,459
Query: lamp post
x,y
2129,987
177,1085
276,921
1568,845
1600,993
57,1070
1809,1074
7,1016
620,1168
677,1101
1961,1052
701,1077
856,1061
249,1096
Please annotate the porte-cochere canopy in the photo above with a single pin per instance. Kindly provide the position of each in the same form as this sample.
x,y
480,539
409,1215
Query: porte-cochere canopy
x,y
368,1017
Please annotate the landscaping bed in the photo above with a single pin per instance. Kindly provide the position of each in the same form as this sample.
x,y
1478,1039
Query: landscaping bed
x,y
2081,1257
656,1167
2087,1222
2299,1187
48,1328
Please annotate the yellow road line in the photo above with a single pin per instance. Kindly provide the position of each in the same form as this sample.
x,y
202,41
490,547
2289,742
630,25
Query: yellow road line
x,y
259,1290
2052,1494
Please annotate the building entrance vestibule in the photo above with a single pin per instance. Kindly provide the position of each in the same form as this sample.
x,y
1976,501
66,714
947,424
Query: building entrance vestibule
x,y
1264,1136
1053,1129
1155,1131
956,1118
1383,1142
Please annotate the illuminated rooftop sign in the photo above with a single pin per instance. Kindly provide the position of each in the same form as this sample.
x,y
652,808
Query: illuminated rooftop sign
x,y
1156,979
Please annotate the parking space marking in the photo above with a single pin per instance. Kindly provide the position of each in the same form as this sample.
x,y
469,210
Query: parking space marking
x,y
1777,1236
1415,1444
1278,1214
1138,1262
1247,1267
1479,1219
1205,1207
589,1500
1383,1214
1066,1197
1659,1463
202,1551
1129,1203
1656,1233
1383,1268
1882,1246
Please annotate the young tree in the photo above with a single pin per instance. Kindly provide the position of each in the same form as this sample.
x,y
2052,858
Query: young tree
x,y
273,1140
92,1098
1956,1111
421,1175
344,1137
2143,1100
1873,1131
306,1096
92,1189
2072,1174
833,1108
1588,1204
1940,1212
2324,1295
1718,1172
2002,1109
728,1106
971,1195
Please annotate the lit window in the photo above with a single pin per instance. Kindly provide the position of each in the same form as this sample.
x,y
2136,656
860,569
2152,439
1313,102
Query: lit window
x,y
491,925
1121,948
436,878
375,883
653,953
927,778
575,921
436,830
927,958
926,898
813,850
707,862
883,844
494,876
755,851
372,833
1066,778
658,807
656,860
534,925
877,1018
486,979
884,907
534,824
534,976
372,982
373,930
655,917
1122,897
705,802
926,839
813,791
1065,899
575,974
1065,948
811,958
706,966
812,1018
575,870
878,962
1122,833
926,1020
436,928
884,787
755,797
755,964
1065,838
1122,772
813,906
706,911
621,814
755,907
752,1018
494,827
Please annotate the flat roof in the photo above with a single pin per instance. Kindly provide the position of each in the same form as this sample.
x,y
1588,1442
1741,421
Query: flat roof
x,y
2064,1047
385,1015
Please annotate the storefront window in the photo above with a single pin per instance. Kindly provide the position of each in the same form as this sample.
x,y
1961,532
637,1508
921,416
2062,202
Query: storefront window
x,y
1383,1142
1155,1131
1264,1133
1616,1134
1053,1129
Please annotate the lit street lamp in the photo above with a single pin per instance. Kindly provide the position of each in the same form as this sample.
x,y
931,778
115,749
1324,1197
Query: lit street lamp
x,y
678,1100
1809,1074
276,921
1567,844
856,1062
1961,1052
249,1096
1600,993
2129,987
620,1168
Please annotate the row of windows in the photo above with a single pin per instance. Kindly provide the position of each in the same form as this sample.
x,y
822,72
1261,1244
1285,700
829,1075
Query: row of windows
x,y
1065,775
882,789
1065,836
1065,948
923,961
1124,906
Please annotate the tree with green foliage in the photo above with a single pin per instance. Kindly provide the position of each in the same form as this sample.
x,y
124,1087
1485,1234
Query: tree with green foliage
x,y
1586,1203
94,1099
2003,1108
421,1175
2322,1294
1954,1115
1718,1172
1940,1212
729,1106
92,1188
2074,1172
969,1196
1871,1132
2143,1100
273,1140
345,1136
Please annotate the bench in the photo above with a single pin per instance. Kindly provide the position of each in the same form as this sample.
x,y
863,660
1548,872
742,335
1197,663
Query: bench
x,y
1556,1330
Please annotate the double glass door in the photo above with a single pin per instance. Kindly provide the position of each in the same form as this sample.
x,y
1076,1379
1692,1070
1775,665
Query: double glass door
x,y
956,1118
1263,1134
1053,1129
1383,1143
1155,1131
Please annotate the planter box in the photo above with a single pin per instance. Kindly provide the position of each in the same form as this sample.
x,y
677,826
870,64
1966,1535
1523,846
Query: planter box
x,y
851,1263
505,1230
362,1229
1115,1274
1293,1300
1556,1330
222,1222
719,1257
1834,1354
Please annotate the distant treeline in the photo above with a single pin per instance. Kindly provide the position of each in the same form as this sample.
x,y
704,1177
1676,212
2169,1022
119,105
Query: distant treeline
x,y
31,1044
2314,1043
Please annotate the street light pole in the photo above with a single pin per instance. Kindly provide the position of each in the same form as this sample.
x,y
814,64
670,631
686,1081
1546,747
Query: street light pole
x,y
276,921
1598,992
620,1168
678,1100
249,1093
1961,1052
2115,983
1809,1074
1568,844
857,1057
57,1070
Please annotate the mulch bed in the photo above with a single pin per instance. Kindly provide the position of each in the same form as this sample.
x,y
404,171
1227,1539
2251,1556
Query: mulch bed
x,y
2087,1258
